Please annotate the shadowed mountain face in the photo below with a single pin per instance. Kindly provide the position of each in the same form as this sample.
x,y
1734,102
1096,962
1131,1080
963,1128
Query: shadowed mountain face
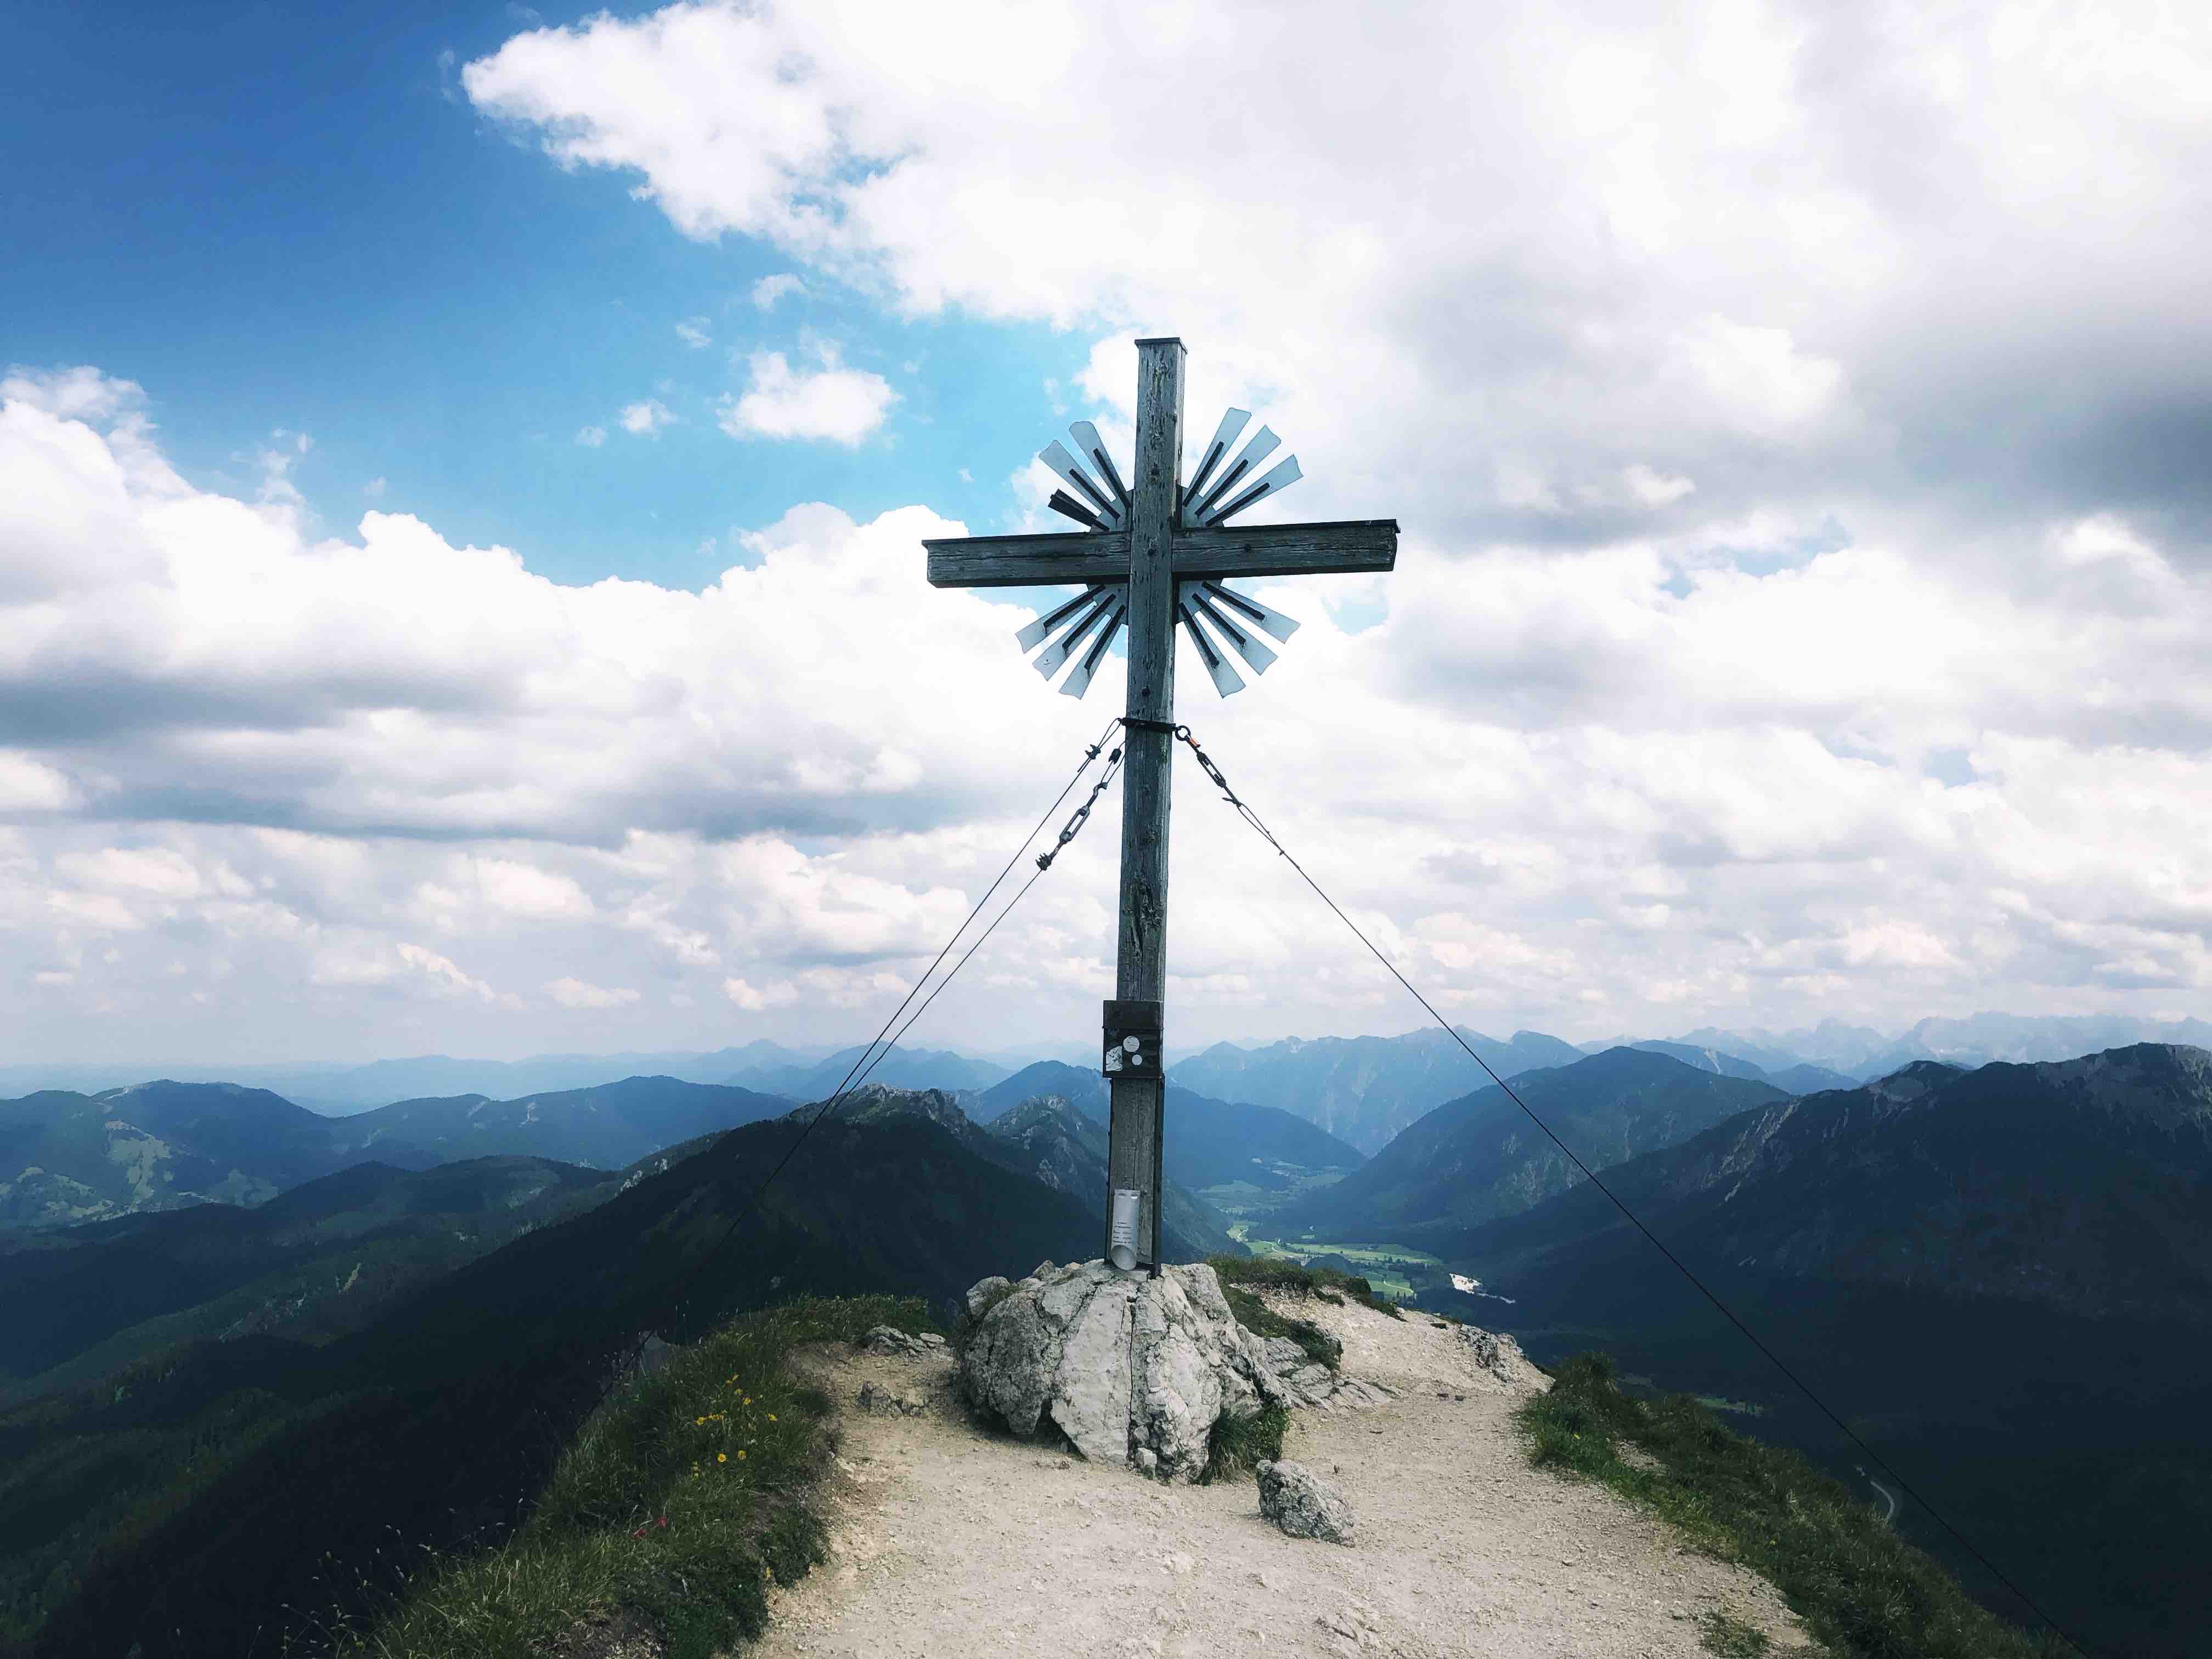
x,y
2084,1186
1066,1151
269,1474
321,1259
1364,1089
1481,1157
1795,1077
2003,1278
1210,1143
68,1159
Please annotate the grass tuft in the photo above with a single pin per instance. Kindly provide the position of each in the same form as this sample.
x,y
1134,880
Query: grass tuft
x,y
684,1496
1862,1591
1257,1317
1731,1638
1282,1273
1237,1443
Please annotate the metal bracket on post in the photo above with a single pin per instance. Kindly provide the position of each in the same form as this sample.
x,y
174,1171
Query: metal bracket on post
x,y
1133,1039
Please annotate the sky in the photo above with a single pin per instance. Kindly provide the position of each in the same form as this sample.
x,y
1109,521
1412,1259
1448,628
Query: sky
x,y
463,475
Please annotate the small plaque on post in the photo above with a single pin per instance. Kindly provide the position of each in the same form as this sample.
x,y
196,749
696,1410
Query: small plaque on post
x,y
1132,1040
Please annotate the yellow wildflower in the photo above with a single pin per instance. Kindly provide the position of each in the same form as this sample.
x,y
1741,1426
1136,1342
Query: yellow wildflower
x,y
724,1457
741,1453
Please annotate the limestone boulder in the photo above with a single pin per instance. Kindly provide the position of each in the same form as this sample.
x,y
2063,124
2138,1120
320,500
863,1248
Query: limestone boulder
x,y
1122,1364
1304,1504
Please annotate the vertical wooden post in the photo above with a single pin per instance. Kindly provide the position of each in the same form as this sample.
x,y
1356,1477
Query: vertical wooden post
x,y
1133,1159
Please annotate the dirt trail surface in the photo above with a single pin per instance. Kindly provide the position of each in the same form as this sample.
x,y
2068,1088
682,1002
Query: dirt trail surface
x,y
948,1540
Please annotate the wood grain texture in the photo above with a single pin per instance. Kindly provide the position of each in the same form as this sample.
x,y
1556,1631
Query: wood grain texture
x,y
1086,557
1133,1155
1288,550
1271,549
1141,969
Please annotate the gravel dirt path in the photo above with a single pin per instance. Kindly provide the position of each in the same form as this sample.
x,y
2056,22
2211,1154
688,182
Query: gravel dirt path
x,y
948,1540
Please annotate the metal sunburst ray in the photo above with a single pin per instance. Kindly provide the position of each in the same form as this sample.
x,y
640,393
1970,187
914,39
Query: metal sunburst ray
x,y
1081,631
1208,501
1094,506
1225,677
1241,638
1220,620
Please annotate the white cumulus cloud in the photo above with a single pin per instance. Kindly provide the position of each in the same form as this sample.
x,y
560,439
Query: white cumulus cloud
x,y
842,406
769,290
571,993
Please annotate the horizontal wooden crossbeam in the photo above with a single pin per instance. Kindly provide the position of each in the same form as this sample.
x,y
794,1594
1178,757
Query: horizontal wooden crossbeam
x,y
1087,558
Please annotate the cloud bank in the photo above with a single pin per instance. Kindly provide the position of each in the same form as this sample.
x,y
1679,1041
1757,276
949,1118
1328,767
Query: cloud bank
x,y
1797,415
249,770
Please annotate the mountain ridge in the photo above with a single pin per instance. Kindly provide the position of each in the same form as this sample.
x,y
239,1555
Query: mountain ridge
x,y
1477,1157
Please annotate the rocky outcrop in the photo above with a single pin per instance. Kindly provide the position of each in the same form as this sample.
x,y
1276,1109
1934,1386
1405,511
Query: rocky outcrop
x,y
985,1293
888,1339
1304,1504
890,1402
1125,1365
1310,1384
1500,1356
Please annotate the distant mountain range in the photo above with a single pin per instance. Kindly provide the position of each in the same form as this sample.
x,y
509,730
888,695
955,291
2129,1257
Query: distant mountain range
x,y
1210,1143
67,1159
1977,1040
1798,1078
766,1067
608,1126
1479,1158
338,1090
1364,1089
898,1068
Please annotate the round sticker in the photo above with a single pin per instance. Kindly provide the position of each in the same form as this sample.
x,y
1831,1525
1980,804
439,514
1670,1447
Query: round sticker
x,y
1130,1045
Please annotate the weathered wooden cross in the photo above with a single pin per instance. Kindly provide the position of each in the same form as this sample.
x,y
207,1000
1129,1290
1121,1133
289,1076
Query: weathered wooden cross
x,y
1157,553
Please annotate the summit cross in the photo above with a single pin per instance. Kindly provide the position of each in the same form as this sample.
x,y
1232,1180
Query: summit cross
x,y
1157,553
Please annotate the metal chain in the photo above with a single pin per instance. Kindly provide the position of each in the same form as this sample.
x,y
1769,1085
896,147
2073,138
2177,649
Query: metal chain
x,y
1082,814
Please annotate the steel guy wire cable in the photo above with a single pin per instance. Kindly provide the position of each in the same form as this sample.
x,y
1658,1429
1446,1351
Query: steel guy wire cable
x,y
870,1058
1214,772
